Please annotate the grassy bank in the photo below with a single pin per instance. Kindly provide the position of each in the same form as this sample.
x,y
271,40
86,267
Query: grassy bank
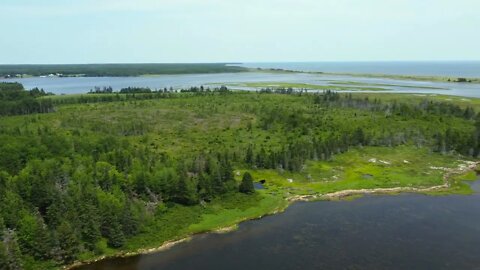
x,y
361,168
179,222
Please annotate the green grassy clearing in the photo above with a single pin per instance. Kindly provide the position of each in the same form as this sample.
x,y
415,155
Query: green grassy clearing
x,y
363,168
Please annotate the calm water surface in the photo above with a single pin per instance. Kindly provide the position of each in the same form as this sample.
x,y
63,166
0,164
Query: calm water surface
x,y
408,231
425,68
85,84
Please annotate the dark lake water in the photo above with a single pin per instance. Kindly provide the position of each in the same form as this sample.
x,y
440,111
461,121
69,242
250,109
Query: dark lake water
x,y
407,231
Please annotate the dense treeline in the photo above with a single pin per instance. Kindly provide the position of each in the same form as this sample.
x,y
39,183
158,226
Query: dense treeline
x,y
423,108
66,200
107,94
15,100
91,176
99,70
61,194
293,155
147,90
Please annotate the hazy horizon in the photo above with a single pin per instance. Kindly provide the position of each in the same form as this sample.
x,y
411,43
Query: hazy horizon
x,y
256,62
215,31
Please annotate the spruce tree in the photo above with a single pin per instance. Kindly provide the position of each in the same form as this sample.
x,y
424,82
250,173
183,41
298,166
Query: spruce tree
x,y
130,222
186,188
249,159
247,184
187,191
34,237
89,226
115,236
68,242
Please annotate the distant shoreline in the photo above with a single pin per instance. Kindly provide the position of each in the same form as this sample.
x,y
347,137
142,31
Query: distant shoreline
x,y
450,79
142,70
446,79
115,70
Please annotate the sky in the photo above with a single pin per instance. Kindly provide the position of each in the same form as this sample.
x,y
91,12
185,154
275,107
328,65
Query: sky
x,y
188,31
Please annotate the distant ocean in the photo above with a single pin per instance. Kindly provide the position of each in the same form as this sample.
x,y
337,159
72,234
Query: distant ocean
x,y
440,68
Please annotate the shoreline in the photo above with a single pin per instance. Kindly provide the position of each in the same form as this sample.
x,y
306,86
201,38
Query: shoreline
x,y
431,78
290,200
352,192
164,246
171,243
427,78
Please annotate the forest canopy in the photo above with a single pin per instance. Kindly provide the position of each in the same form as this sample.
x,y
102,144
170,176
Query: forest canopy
x,y
86,175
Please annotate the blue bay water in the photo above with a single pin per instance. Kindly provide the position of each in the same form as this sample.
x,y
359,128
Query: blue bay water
x,y
469,69
234,80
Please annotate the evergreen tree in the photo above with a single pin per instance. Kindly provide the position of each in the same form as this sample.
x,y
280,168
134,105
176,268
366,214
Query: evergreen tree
x,y
115,235
186,188
10,205
34,237
358,137
205,190
110,213
55,212
249,159
68,242
215,176
246,186
90,229
187,191
88,219
3,183
261,158
130,222
2,227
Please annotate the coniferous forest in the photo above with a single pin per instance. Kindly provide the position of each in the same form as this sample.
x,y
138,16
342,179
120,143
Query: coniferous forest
x,y
83,176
